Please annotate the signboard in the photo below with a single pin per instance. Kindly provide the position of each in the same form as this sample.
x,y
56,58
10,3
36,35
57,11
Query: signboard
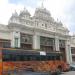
x,y
42,53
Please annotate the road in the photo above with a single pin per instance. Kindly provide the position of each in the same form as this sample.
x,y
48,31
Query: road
x,y
69,73
28,73
38,73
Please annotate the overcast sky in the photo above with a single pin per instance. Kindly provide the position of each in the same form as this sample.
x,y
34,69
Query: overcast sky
x,y
64,10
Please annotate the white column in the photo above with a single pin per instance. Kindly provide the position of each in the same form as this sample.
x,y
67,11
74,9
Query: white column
x,y
19,45
36,42
12,39
70,55
68,52
57,44
13,36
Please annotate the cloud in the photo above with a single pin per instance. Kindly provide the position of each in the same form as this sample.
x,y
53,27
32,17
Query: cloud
x,y
69,13
62,9
57,8
6,10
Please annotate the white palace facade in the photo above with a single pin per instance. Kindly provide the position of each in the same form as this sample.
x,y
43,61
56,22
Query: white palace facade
x,y
73,48
39,32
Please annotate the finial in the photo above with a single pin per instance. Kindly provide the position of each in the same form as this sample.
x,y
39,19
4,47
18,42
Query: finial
x,y
25,9
42,5
15,13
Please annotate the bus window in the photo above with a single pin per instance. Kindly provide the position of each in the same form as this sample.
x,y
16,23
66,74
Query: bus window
x,y
57,57
24,57
53,57
18,57
37,58
13,58
32,57
49,58
42,58
6,57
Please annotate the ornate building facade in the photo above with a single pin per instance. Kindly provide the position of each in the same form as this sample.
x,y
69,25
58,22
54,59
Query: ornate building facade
x,y
39,32
73,48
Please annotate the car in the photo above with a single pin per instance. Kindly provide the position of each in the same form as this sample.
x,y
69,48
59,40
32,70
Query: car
x,y
72,67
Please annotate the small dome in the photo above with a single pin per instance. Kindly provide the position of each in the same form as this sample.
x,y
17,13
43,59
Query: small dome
x,y
42,10
24,12
14,15
43,14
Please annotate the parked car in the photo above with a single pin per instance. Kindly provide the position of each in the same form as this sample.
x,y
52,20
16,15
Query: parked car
x,y
72,67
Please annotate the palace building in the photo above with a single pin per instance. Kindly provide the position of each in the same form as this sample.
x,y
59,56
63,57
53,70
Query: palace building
x,y
73,48
37,32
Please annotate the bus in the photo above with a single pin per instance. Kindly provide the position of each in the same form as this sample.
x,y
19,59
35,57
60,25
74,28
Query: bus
x,y
31,60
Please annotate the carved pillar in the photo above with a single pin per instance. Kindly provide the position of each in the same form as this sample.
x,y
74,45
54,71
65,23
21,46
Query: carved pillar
x,y
36,42
57,43
68,52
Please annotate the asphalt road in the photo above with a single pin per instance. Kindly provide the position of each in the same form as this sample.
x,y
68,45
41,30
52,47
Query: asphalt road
x,y
38,73
69,73
28,73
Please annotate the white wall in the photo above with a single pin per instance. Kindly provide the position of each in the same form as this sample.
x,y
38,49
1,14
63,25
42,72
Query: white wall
x,y
5,35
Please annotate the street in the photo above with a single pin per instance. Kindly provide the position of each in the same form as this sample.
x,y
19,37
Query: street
x,y
69,73
40,73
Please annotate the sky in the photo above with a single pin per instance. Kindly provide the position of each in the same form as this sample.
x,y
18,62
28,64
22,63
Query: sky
x,y
64,10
